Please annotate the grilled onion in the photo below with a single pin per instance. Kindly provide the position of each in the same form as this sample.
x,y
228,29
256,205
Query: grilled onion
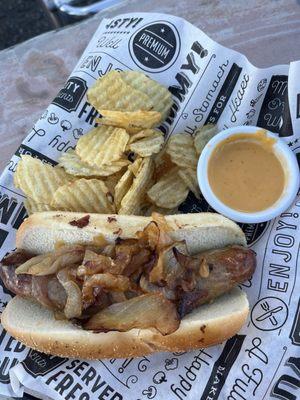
x,y
44,260
149,236
73,306
165,239
94,263
50,263
107,281
167,268
146,311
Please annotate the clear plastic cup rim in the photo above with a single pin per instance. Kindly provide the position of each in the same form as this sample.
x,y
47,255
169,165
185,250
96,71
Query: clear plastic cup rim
x,y
290,165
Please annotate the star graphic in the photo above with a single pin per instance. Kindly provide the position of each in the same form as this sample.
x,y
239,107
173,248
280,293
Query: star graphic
x,y
146,59
296,141
290,144
162,30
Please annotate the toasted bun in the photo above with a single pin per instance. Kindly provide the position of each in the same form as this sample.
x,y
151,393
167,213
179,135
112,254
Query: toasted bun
x,y
209,324
201,231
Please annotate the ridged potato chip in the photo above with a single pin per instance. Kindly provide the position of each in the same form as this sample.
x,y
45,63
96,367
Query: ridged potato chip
x,y
113,148
33,207
114,167
38,180
169,192
203,136
159,95
180,148
16,180
86,195
160,158
123,186
112,180
111,92
140,135
163,164
132,121
89,145
189,177
134,168
131,202
149,145
73,165
126,180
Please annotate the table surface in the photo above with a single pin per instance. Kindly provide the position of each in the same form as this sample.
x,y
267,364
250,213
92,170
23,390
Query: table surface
x,y
267,32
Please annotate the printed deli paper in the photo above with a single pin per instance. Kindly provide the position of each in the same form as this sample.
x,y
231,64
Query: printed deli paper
x,y
209,83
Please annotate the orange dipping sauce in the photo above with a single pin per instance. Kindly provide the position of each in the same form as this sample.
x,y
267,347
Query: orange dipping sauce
x,y
245,173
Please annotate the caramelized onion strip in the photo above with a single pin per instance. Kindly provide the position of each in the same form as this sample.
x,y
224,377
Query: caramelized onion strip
x,y
146,311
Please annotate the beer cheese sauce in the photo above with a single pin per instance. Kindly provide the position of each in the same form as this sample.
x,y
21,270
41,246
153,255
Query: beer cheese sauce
x,y
245,173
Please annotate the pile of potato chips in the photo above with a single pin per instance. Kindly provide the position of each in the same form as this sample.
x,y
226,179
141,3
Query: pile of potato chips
x,y
122,166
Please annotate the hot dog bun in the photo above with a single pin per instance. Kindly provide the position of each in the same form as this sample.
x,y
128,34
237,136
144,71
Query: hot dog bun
x,y
207,325
202,231
210,324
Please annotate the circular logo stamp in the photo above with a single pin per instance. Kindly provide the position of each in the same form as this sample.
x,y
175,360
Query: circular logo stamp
x,y
155,47
269,314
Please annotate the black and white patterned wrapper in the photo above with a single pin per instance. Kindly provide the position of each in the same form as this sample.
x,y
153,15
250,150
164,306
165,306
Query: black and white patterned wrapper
x,y
209,83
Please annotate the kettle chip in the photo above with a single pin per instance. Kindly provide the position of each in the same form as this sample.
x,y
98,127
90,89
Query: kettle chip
x,y
86,195
132,201
123,165
132,121
149,145
73,165
203,135
111,92
189,177
169,192
32,206
180,148
40,185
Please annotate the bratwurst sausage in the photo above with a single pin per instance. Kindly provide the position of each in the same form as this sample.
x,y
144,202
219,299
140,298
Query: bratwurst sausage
x,y
188,282
45,289
218,272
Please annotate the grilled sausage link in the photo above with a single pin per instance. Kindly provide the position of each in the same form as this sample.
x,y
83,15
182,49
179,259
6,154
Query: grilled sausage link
x,y
45,289
192,280
215,272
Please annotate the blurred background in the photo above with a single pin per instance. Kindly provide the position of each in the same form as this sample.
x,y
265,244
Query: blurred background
x,y
23,19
